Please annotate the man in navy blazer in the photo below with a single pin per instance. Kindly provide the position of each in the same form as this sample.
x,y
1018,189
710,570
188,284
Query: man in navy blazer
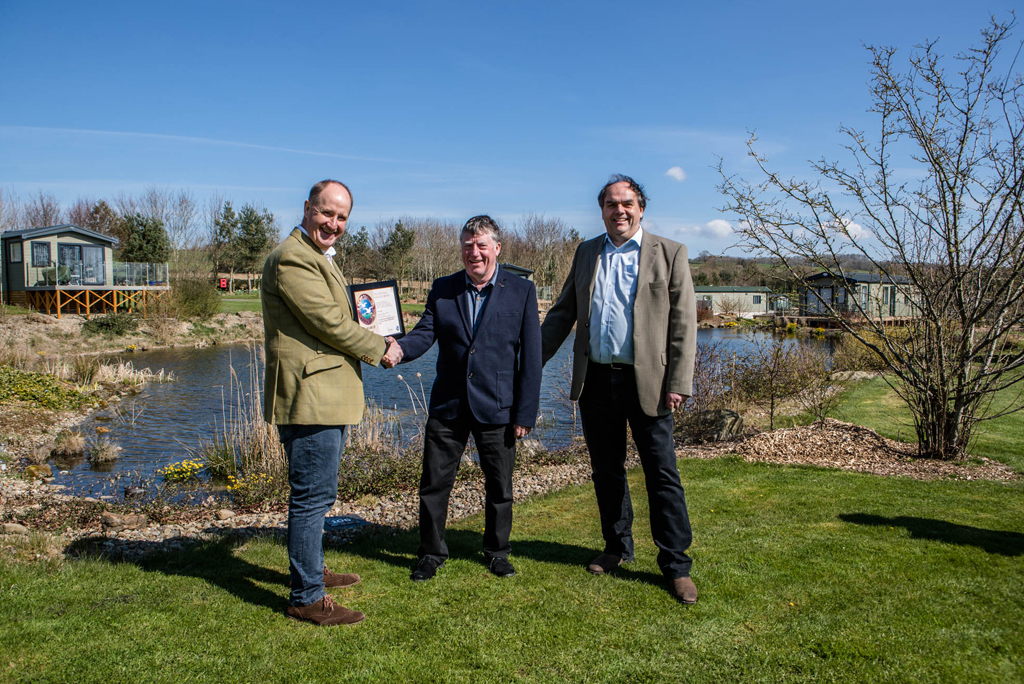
x,y
488,384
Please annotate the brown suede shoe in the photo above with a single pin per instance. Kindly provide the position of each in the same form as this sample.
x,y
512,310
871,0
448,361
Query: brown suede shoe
x,y
340,580
325,612
604,564
684,590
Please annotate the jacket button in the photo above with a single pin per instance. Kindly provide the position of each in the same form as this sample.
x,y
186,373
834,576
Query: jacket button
x,y
470,375
472,351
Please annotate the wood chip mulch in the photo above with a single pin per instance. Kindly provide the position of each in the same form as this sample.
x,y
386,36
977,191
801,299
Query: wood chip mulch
x,y
851,447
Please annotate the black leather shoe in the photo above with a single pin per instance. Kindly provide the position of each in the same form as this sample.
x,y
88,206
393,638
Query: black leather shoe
x,y
501,567
425,569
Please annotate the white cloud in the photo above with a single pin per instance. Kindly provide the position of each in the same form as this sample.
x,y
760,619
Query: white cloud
x,y
853,230
677,173
718,228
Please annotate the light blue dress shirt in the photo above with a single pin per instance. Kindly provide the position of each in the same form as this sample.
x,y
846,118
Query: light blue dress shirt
x,y
611,308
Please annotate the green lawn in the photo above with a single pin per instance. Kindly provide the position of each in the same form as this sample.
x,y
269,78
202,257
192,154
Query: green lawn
x,y
234,304
873,404
805,575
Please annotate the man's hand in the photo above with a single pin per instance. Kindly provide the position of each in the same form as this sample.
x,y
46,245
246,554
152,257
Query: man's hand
x,y
674,401
393,356
522,431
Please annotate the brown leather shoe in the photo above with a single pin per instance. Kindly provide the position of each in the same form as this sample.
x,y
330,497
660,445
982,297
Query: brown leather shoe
x,y
604,564
684,590
340,580
325,612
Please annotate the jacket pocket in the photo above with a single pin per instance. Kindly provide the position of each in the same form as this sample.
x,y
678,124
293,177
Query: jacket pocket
x,y
504,389
322,363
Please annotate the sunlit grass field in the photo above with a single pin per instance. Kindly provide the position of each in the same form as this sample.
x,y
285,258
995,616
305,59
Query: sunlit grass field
x,y
804,575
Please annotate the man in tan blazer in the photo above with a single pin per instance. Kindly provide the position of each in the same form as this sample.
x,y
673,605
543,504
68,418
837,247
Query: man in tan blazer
x,y
630,296
313,388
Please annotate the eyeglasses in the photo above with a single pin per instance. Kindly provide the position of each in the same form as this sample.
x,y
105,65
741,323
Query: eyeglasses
x,y
330,215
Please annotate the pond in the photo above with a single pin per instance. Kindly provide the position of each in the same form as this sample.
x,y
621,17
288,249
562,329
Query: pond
x,y
160,425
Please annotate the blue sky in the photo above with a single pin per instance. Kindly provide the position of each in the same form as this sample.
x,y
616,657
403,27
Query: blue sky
x,y
439,109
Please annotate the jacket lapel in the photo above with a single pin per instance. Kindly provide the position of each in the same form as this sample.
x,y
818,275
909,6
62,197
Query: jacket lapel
x,y
493,300
460,304
588,260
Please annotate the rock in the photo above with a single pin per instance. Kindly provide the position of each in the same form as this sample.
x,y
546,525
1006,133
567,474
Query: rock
x,y
100,430
112,522
224,514
15,528
38,472
724,424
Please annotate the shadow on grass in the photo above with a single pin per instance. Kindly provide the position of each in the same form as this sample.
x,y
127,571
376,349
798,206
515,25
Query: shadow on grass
x,y
399,550
212,561
992,541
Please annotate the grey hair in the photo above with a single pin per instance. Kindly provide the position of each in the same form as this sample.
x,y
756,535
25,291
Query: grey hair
x,y
482,225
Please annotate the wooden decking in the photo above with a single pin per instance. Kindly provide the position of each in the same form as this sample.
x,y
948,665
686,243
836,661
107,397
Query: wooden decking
x,y
88,300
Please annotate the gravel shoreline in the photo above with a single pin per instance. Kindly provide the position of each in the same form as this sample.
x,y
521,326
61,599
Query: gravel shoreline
x,y
835,445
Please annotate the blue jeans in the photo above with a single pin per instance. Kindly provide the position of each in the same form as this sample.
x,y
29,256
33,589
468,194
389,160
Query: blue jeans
x,y
314,456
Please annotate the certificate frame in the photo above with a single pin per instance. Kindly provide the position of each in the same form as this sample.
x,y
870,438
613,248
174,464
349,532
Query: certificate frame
x,y
377,308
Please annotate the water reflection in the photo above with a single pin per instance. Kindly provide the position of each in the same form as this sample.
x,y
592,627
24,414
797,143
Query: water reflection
x,y
163,421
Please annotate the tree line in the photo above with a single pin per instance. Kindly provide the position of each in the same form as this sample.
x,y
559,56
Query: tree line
x,y
217,238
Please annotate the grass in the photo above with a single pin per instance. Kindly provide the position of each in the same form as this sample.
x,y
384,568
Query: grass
x,y
873,404
413,308
805,575
234,304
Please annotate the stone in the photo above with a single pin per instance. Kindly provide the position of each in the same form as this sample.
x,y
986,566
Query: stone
x,y
38,472
112,522
15,528
100,430
724,424
225,513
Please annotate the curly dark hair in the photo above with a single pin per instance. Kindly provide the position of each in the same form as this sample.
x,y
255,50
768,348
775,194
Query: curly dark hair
x,y
641,196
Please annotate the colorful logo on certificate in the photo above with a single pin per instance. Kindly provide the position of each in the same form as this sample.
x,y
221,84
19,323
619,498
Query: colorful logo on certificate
x,y
367,310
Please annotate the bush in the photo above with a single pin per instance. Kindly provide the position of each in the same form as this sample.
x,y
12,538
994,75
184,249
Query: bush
x,y
38,389
194,298
852,355
112,325
104,451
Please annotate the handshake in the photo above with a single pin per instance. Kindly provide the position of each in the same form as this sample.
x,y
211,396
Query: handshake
x,y
393,355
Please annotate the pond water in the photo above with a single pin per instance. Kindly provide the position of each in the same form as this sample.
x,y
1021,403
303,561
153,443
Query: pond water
x,y
159,425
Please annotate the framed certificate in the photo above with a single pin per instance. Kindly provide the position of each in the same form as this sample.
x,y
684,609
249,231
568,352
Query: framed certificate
x,y
377,308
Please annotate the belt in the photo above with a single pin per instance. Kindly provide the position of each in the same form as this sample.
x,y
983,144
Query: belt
x,y
615,366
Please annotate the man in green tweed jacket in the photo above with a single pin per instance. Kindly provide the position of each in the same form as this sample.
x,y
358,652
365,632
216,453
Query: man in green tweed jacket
x,y
314,388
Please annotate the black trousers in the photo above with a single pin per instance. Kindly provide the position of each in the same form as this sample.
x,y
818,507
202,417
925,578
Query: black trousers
x,y
609,400
444,443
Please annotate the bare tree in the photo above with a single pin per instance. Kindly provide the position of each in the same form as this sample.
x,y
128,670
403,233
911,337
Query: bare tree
x,y
956,236
10,210
42,210
78,213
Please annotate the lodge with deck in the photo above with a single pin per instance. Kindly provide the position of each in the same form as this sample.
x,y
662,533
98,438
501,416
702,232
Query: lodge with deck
x,y
69,269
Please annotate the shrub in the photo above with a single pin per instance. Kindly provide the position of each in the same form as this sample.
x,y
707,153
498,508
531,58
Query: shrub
x,y
791,328
69,443
194,298
38,389
182,471
698,419
85,368
704,313
104,451
852,355
112,325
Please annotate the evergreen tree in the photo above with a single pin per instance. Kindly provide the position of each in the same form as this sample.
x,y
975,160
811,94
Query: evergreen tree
x,y
145,240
